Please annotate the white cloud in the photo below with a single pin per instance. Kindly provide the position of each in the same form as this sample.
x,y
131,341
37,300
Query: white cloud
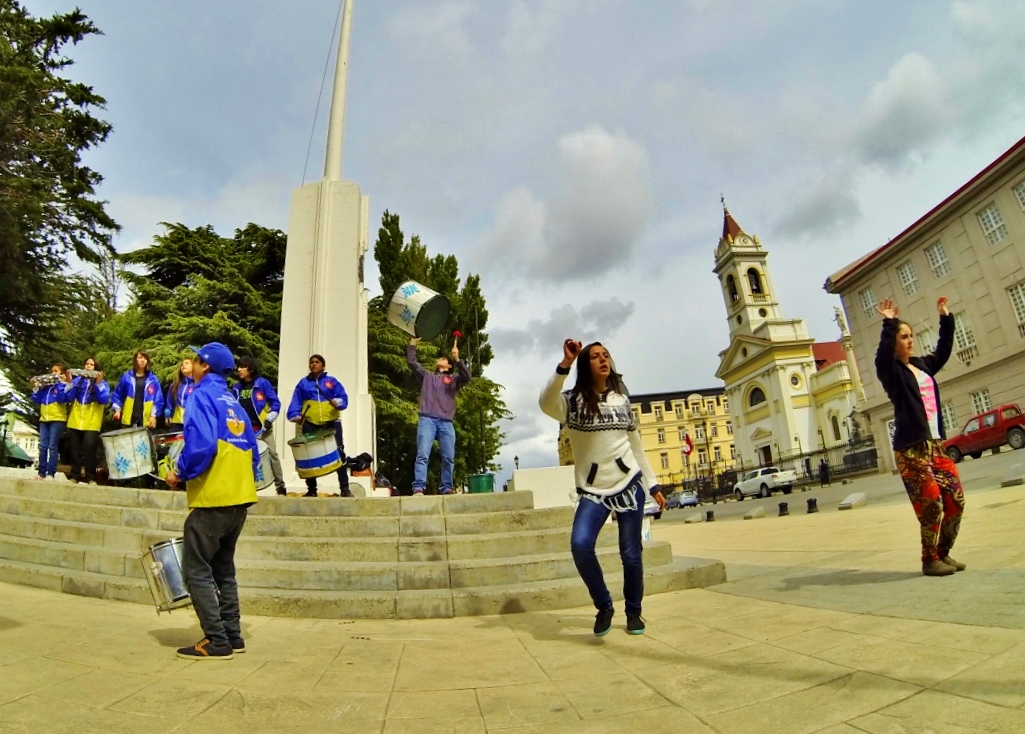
x,y
591,225
532,25
820,206
596,320
429,27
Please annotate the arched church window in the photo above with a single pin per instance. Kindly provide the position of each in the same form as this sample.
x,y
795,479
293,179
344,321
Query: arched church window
x,y
836,427
755,279
757,397
731,286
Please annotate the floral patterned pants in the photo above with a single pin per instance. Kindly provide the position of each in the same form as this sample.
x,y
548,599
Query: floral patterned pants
x,y
934,489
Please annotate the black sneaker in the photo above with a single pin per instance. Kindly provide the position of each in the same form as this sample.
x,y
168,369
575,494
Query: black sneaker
x,y
310,493
634,624
282,492
238,645
603,621
344,492
203,650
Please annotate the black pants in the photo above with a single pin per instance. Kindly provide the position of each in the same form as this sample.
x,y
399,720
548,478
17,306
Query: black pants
x,y
343,472
208,565
83,453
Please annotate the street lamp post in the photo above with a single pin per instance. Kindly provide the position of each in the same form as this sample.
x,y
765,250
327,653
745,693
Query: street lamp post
x,y
708,456
516,461
797,440
3,438
822,439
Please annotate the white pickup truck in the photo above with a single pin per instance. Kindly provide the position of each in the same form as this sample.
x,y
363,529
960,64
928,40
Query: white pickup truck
x,y
763,482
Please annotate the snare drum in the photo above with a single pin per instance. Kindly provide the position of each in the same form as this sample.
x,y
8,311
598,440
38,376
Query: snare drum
x,y
129,453
316,454
264,473
418,310
162,566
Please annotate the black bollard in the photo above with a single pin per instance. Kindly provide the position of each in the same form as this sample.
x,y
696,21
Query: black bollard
x,y
783,511
813,505
710,516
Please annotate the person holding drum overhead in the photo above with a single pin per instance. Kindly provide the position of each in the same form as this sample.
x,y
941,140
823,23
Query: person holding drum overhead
x,y
138,399
219,461
257,397
178,393
437,409
316,404
89,397
51,395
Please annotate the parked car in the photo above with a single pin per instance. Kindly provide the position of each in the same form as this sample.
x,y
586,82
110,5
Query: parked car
x,y
1005,424
683,498
763,482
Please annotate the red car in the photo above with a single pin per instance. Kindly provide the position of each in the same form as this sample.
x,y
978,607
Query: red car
x,y
1004,424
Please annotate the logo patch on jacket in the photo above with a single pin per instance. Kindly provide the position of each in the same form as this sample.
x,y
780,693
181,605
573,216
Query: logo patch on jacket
x,y
236,425
329,384
258,395
150,389
447,379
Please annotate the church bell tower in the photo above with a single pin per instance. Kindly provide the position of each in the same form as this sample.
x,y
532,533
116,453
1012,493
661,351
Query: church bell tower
x,y
741,264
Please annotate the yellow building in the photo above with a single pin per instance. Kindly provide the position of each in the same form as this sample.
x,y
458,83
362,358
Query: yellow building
x,y
665,421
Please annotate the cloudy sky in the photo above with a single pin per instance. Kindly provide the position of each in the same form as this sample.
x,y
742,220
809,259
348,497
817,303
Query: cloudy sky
x,y
572,153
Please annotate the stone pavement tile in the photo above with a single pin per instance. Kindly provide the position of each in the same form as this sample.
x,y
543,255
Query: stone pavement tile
x,y
923,665
933,712
10,655
128,653
812,641
989,640
232,673
449,725
776,622
707,604
574,663
999,680
433,705
810,710
289,711
892,628
665,720
170,698
596,697
364,666
37,639
710,685
26,676
638,652
39,715
293,675
96,688
696,640
447,667
532,704
289,645
546,633
839,729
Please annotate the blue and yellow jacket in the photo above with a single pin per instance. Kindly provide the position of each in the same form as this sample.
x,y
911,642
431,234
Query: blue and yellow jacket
x,y
220,459
88,399
52,401
318,401
123,398
174,405
265,400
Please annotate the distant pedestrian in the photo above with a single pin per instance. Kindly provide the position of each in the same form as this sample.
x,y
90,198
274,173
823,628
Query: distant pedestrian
x,y
137,399
51,394
178,393
316,405
929,475
823,473
611,472
257,397
89,396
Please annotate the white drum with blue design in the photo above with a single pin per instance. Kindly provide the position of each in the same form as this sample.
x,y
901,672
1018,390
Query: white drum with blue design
x,y
316,454
264,474
418,310
129,453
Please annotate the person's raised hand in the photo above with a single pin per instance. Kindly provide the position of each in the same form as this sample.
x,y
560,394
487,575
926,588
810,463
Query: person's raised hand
x,y
570,349
414,340
941,306
455,353
152,421
660,498
887,308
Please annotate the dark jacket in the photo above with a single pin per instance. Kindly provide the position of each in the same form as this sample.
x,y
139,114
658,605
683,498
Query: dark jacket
x,y
912,426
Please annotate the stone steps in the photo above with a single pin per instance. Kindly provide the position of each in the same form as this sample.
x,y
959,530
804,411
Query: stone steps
x,y
326,557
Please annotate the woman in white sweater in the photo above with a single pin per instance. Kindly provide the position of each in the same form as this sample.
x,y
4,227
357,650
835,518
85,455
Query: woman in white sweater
x,y
611,470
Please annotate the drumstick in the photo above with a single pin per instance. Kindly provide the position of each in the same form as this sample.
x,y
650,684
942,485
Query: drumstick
x,y
456,334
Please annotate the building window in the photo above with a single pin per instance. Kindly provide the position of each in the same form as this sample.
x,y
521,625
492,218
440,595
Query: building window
x,y
981,401
757,397
664,459
835,422
678,410
637,414
937,257
725,405
699,432
682,434
992,224
658,413
702,457
908,277
733,452
661,435
964,339
731,287
685,456
868,302
926,339
754,278
711,406
729,428
695,409
1017,295
1019,191
717,453
715,430
949,417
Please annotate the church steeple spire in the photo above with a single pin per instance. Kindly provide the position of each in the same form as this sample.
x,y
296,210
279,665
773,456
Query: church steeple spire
x,y
730,229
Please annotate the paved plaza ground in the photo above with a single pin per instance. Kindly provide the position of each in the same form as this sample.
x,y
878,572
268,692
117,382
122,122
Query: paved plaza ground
x,y
825,625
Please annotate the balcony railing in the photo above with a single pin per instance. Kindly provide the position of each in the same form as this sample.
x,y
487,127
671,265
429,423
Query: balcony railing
x,y
966,355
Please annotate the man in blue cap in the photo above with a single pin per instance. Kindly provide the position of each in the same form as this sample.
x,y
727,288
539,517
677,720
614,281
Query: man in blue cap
x,y
219,463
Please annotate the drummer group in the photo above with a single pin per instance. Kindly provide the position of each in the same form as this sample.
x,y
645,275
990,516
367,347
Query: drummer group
x,y
78,402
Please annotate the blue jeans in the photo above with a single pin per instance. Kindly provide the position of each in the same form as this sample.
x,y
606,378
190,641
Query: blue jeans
x,y
427,430
49,438
587,523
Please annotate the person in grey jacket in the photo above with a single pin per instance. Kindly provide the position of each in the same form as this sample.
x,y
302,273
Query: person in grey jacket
x,y
437,409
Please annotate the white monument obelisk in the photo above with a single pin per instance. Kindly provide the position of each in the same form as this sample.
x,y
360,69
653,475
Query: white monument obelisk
x,y
324,309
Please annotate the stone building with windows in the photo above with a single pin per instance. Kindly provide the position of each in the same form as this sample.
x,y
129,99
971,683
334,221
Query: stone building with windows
x,y
666,421
789,396
971,248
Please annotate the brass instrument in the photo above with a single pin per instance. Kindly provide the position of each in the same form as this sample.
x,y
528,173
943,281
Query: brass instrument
x,y
45,380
